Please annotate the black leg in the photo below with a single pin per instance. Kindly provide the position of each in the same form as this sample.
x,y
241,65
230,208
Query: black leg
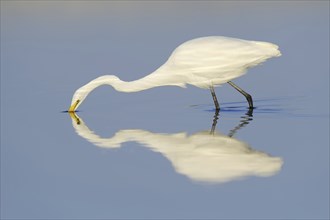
x,y
216,103
247,95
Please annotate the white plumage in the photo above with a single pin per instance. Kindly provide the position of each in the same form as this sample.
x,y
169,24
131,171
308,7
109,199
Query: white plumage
x,y
203,62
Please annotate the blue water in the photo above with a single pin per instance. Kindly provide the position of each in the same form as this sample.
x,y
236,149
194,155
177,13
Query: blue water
x,y
163,152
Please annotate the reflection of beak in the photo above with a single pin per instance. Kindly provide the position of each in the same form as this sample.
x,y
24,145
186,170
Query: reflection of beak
x,y
74,117
74,106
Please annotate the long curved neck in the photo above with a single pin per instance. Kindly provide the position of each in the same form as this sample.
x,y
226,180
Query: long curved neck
x,y
158,78
133,86
116,83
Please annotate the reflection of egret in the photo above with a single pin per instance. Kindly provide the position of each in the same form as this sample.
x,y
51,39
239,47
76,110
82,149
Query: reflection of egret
x,y
202,157
245,120
203,62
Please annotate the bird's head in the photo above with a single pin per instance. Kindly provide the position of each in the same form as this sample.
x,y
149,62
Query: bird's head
x,y
80,95
77,98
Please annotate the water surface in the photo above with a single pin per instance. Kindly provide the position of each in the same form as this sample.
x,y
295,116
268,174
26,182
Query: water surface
x,y
162,153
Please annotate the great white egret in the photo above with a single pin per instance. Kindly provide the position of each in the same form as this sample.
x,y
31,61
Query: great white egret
x,y
203,62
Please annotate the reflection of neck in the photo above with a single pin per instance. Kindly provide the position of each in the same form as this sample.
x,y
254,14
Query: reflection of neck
x,y
201,156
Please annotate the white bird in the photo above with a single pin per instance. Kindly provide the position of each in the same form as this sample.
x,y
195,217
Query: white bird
x,y
203,62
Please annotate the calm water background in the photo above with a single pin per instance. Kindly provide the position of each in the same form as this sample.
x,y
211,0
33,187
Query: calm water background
x,y
49,49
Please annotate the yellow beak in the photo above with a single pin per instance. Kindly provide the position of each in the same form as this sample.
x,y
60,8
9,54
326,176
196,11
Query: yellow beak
x,y
74,106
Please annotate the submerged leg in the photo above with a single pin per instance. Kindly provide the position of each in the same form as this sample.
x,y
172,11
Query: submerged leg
x,y
216,103
247,95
